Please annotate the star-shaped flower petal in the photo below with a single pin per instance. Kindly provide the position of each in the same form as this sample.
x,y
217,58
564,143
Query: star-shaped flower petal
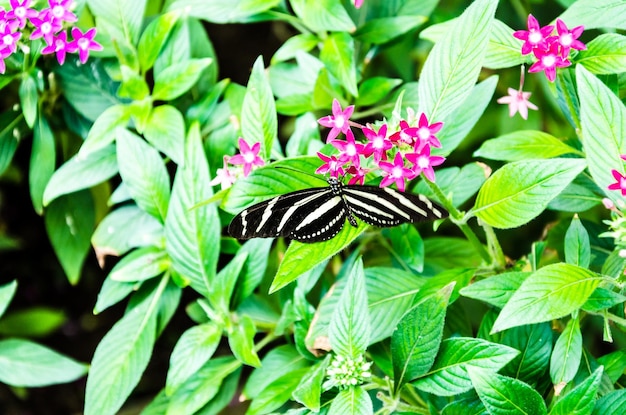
x,y
338,122
406,134
223,176
331,165
58,46
620,183
548,61
83,43
534,37
518,101
426,133
248,156
20,11
378,143
568,39
423,162
350,149
395,172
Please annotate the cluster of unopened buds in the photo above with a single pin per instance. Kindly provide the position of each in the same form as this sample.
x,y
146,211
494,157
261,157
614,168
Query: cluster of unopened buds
x,y
401,152
345,371
47,24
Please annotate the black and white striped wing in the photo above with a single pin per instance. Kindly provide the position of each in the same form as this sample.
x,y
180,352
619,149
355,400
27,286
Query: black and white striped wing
x,y
385,207
311,215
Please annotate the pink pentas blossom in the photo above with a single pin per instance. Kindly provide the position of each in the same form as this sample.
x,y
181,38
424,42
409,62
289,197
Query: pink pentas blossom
x,y
339,122
45,27
405,135
620,183
534,37
518,101
423,162
350,149
426,133
83,43
58,46
548,61
568,39
20,11
248,156
358,174
378,144
395,172
358,3
9,38
223,176
332,165
4,53
60,9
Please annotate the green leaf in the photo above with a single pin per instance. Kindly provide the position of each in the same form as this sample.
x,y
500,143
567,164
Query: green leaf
x,y
382,30
567,353
309,390
28,99
523,145
165,130
241,341
126,16
581,399
259,123
338,56
218,11
80,173
534,341
461,184
553,291
70,220
407,246
374,89
351,401
349,330
445,253
606,54
42,162
122,356
416,340
503,50
519,191
32,322
448,376
577,245
112,292
9,137
276,393
143,171
496,290
7,291
303,42
603,120
177,79
193,233
193,349
258,252
467,406
454,63
506,396
140,265
580,195
104,130
613,403
603,299
221,289
27,364
154,37
323,15
596,14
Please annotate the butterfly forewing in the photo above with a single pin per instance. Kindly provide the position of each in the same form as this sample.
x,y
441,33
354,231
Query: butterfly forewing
x,y
321,223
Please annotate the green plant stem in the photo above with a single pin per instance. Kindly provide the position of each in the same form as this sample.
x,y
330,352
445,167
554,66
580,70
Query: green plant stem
x,y
458,218
494,246
269,337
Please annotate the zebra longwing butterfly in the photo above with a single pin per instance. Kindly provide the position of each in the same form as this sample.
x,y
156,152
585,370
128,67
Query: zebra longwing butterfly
x,y
318,214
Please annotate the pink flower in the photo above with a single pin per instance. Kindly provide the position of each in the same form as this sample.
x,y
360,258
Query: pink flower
x,y
248,156
620,182
83,43
58,46
534,37
426,133
9,38
568,38
331,165
423,162
358,174
223,176
5,53
358,3
21,12
518,101
378,143
406,135
350,150
338,122
60,9
395,172
549,60
45,27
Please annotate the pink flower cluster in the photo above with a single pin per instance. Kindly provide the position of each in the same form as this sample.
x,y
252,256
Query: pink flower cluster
x,y
248,158
551,50
620,180
46,24
408,147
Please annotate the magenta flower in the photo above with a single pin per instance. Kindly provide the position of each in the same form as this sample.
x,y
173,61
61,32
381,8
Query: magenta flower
x,y
395,172
21,12
338,122
358,174
60,9
534,37
548,61
331,165
518,101
9,38
45,27
568,39
350,150
4,53
423,162
620,182
223,176
58,46
358,3
83,43
426,133
248,156
406,135
378,143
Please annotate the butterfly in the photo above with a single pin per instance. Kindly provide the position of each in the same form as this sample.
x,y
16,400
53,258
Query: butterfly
x,y
319,213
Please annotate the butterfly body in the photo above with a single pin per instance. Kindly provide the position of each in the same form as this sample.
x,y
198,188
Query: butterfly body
x,y
318,214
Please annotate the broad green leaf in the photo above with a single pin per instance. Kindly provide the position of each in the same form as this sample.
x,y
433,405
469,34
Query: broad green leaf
x,y
42,162
112,292
122,356
241,341
193,349
416,340
258,252
165,130
125,15
382,30
32,322
553,291
153,38
467,406
177,79
448,376
80,173
454,63
309,390
325,90
350,330
577,245
567,353
291,47
351,401
323,15
605,54
496,290
506,396
534,341
6,294
519,191
218,11
28,99
224,396
143,171
141,264
445,253
27,364
9,137
459,183
338,56
193,232
276,393
259,123
614,364
613,403
595,14
523,145
70,220
276,363
603,299
104,130
376,88
221,289
603,121
581,399
579,196
407,246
